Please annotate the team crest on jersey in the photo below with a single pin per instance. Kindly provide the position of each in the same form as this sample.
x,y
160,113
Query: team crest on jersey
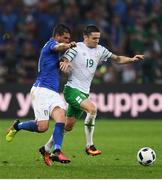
x,y
46,112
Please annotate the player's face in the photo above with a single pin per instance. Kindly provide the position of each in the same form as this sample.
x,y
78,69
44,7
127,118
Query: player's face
x,y
65,38
93,39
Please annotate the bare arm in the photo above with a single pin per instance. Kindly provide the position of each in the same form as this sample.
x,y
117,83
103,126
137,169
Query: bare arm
x,y
64,46
64,64
126,60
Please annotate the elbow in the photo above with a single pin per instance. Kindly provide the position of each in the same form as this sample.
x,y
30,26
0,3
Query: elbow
x,y
62,47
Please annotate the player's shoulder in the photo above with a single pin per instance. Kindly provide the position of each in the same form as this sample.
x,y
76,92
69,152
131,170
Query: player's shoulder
x,y
103,49
100,47
79,44
49,43
51,40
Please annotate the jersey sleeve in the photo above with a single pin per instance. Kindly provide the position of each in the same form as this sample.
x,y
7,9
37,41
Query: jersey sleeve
x,y
52,45
70,54
105,54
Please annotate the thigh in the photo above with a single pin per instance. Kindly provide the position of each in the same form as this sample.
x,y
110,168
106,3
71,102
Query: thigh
x,y
40,104
57,103
74,97
44,101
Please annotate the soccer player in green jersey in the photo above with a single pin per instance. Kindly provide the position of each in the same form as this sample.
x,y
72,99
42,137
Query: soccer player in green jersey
x,y
83,60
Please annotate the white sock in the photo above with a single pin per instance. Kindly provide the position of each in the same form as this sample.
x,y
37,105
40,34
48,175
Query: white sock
x,y
89,125
49,145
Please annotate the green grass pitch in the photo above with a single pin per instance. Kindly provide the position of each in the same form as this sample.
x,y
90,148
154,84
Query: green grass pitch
x,y
118,139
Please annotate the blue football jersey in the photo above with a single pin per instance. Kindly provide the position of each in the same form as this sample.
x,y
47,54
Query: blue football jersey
x,y
48,67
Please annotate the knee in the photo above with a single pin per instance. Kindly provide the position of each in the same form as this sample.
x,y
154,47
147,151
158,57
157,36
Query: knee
x,y
42,127
92,109
69,124
58,115
68,128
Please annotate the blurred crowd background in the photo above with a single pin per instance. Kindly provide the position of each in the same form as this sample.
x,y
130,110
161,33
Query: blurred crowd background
x,y
127,27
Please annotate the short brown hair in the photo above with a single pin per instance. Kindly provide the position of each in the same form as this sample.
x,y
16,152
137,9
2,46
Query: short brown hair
x,y
89,29
60,29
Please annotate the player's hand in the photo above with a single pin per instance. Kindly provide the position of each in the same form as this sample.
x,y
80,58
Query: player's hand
x,y
65,66
138,57
73,44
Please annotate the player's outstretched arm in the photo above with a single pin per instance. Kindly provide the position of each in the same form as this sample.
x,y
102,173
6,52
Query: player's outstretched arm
x,y
64,46
126,60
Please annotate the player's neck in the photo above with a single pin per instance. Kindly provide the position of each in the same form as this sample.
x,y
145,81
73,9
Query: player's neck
x,y
54,38
87,44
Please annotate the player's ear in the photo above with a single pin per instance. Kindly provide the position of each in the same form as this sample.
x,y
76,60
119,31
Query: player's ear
x,y
57,37
85,36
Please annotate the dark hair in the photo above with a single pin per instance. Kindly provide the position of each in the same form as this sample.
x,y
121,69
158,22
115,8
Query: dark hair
x,y
89,29
60,29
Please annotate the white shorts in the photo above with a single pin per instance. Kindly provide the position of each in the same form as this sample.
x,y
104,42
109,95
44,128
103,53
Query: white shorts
x,y
44,101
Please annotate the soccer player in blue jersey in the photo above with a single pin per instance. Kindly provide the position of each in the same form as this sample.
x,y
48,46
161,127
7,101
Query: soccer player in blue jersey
x,y
83,60
45,98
